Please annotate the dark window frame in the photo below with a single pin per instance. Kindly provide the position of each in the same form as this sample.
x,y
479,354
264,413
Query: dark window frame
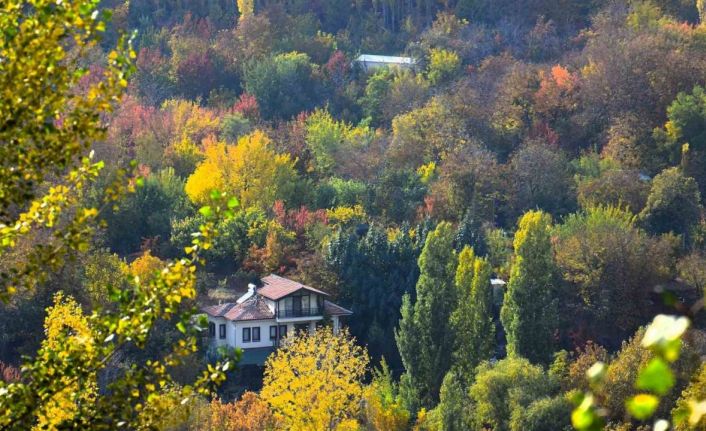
x,y
273,334
222,331
255,330
211,329
282,333
248,338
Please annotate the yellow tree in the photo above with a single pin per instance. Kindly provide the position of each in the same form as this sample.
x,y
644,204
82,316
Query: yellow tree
x,y
250,170
314,382
67,328
146,266
246,7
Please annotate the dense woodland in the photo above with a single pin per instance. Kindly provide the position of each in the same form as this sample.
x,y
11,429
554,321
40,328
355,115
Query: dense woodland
x,y
558,145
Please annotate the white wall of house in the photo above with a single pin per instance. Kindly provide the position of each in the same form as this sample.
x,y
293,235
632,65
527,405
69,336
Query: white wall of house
x,y
264,325
218,321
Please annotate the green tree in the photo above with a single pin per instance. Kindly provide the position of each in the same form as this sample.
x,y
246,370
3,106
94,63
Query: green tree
x,y
283,85
529,311
374,266
544,414
674,203
472,320
425,337
505,390
454,409
612,267
684,134
147,213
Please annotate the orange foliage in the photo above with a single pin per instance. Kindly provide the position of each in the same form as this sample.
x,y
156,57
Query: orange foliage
x,y
249,413
562,78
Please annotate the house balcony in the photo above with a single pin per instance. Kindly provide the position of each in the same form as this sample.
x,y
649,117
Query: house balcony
x,y
292,313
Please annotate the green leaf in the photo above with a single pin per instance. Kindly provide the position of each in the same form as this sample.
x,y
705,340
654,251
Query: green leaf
x,y
233,203
656,377
642,406
206,211
215,194
181,327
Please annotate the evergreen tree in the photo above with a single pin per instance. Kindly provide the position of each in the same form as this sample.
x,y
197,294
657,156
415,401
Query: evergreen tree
x,y
425,337
470,233
472,321
529,312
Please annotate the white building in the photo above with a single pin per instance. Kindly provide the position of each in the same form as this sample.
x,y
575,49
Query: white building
x,y
261,317
371,62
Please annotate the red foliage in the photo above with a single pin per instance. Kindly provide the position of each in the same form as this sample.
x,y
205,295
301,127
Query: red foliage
x,y
337,68
131,120
8,373
196,73
247,106
298,220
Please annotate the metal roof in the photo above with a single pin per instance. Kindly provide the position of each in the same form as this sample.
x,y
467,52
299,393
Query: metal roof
x,y
387,59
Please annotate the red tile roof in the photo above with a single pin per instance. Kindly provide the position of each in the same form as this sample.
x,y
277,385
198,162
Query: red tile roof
x,y
253,309
218,310
276,287
335,310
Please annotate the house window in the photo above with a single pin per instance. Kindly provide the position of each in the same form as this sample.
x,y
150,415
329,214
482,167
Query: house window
x,y
273,332
221,331
246,335
211,329
282,331
256,334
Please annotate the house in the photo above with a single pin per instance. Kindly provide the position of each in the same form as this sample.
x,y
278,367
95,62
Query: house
x,y
370,62
260,318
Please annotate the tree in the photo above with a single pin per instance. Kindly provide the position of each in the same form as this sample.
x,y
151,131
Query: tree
x,y
683,135
66,324
147,213
332,141
694,392
250,170
246,7
472,320
544,414
443,65
48,124
315,381
692,270
283,85
541,179
505,390
53,112
470,233
380,266
612,266
454,409
673,205
529,313
425,337
249,413
384,407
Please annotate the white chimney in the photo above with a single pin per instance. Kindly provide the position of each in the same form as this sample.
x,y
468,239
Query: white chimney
x,y
248,295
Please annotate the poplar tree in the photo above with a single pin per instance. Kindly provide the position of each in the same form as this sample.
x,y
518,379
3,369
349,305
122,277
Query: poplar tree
x,y
472,320
529,312
425,337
